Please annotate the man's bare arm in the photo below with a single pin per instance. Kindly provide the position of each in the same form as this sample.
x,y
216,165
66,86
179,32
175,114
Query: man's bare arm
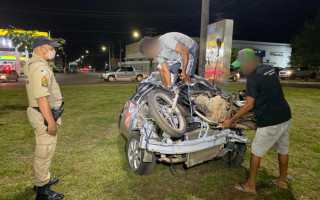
x,y
243,110
47,114
185,58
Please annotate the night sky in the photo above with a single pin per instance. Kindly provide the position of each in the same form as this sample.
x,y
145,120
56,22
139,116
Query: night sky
x,y
88,24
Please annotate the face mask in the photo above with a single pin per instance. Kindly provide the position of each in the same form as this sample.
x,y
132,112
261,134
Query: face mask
x,y
51,54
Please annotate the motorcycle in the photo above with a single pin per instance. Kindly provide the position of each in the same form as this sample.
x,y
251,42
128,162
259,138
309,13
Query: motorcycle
x,y
182,124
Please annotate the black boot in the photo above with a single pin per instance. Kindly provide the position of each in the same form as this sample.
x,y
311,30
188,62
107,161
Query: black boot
x,y
45,193
51,182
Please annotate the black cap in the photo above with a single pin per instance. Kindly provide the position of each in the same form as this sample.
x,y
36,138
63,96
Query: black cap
x,y
42,40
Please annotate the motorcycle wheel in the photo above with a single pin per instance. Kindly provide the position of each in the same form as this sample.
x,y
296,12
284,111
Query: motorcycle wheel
x,y
173,124
235,158
135,156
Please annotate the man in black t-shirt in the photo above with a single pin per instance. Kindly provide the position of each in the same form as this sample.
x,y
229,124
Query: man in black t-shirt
x,y
265,96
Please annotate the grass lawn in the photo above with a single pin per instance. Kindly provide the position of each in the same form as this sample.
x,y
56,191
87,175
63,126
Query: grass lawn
x,y
90,158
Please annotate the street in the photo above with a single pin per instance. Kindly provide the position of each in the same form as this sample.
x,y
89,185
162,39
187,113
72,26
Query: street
x,y
84,78
81,78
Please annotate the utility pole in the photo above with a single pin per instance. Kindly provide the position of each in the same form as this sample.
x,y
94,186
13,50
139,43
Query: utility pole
x,y
93,61
65,60
18,65
120,52
219,17
203,36
150,31
113,55
109,49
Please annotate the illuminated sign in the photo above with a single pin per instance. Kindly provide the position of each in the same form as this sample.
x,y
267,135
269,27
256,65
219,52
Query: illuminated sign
x,y
273,53
3,32
13,58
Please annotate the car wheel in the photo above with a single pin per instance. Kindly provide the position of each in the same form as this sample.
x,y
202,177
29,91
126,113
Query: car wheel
x,y
139,78
135,156
235,79
313,76
111,78
235,158
17,79
293,76
282,78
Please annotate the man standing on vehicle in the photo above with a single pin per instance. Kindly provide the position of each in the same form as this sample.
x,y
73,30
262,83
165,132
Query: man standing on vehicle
x,y
44,99
265,96
173,51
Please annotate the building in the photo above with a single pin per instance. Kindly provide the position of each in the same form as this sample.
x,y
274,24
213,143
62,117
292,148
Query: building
x,y
9,54
275,54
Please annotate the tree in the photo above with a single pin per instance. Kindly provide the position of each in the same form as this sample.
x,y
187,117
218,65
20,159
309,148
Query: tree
x,y
306,45
234,53
24,38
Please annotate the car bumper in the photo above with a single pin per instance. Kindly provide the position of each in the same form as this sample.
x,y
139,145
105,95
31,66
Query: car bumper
x,y
191,145
284,75
102,76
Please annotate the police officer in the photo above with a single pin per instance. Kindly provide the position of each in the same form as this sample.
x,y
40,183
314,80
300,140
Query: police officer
x,y
44,96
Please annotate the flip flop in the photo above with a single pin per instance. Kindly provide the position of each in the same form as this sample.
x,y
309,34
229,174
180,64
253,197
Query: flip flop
x,y
241,188
273,183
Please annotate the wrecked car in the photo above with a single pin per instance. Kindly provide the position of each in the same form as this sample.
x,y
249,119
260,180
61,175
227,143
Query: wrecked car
x,y
182,125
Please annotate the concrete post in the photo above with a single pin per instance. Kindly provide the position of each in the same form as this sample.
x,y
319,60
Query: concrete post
x,y
203,36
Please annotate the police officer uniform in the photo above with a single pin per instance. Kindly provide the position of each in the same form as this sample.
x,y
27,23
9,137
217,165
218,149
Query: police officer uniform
x,y
41,82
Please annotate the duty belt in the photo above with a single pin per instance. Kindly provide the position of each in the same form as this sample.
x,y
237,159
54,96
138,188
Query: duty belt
x,y
56,113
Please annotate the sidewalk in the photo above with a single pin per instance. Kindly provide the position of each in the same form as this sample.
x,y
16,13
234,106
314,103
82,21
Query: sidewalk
x,y
288,83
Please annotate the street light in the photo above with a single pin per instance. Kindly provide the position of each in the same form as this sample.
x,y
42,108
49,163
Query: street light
x,y
82,56
135,34
104,48
87,51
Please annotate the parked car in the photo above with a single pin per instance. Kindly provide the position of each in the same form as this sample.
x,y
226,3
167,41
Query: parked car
x,y
124,72
303,72
234,74
8,75
84,69
6,66
318,74
73,69
182,125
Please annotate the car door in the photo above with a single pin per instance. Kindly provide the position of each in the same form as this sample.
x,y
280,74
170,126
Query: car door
x,y
304,71
13,75
122,73
10,75
299,72
130,72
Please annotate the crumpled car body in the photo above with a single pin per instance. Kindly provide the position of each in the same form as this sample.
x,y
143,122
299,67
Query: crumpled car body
x,y
203,139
